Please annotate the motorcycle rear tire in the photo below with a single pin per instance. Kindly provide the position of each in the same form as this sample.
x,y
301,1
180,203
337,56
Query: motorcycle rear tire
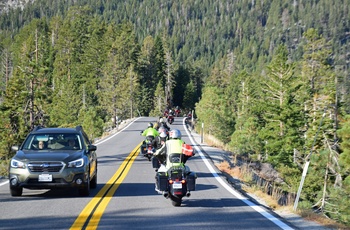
x,y
176,201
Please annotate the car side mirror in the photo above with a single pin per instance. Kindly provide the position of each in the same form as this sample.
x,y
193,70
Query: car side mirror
x,y
92,148
15,148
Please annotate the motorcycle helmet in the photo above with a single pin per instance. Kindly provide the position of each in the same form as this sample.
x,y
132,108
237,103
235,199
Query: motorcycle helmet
x,y
150,125
161,120
175,134
162,129
163,135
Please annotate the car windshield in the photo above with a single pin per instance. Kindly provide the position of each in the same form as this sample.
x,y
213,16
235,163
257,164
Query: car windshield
x,y
53,141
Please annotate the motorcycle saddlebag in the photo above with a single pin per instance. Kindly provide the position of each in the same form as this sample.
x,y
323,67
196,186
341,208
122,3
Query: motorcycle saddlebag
x,y
162,181
191,181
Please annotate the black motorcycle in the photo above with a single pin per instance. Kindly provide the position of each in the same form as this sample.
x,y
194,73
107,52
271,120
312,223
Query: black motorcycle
x,y
147,148
176,182
170,118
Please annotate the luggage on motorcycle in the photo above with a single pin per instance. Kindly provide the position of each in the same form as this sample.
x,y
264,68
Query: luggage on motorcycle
x,y
162,181
191,181
187,150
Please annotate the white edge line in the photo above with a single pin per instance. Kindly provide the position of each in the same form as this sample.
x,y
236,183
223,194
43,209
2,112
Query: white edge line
x,y
5,182
98,142
232,191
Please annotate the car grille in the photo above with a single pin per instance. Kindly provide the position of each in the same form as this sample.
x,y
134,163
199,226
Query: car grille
x,y
45,166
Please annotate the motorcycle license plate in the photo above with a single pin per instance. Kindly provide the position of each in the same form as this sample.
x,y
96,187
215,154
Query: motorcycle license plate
x,y
177,185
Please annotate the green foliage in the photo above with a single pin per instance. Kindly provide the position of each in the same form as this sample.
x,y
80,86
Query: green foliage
x,y
91,122
291,177
340,208
159,101
344,135
189,98
212,110
245,140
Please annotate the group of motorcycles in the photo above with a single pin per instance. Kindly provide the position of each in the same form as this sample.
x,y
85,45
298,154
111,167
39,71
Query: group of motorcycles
x,y
176,182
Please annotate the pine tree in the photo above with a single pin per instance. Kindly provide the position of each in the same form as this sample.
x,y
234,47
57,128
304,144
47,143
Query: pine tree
x,y
28,89
245,139
282,116
148,78
189,96
70,70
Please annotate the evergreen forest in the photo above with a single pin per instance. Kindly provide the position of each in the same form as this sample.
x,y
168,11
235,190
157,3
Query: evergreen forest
x,y
269,79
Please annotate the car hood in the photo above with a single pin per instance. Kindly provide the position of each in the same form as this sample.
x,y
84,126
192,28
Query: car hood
x,y
64,156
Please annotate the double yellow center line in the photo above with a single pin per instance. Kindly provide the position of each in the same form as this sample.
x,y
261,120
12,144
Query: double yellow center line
x,y
91,215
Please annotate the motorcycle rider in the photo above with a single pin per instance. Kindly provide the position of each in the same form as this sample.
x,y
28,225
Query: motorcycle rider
x,y
177,111
166,112
172,146
162,123
162,138
150,133
157,124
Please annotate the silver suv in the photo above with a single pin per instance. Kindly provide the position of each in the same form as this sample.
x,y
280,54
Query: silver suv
x,y
54,158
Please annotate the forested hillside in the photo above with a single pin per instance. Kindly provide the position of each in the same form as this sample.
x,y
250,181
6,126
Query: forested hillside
x,y
270,79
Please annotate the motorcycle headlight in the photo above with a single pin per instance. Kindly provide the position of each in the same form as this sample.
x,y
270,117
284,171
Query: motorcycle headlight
x,y
76,164
17,164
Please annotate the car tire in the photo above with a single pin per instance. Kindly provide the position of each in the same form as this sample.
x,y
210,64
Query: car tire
x,y
85,191
16,191
93,182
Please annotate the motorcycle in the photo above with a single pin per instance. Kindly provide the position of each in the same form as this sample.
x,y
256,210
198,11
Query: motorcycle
x,y
178,181
177,112
188,120
147,149
170,118
175,184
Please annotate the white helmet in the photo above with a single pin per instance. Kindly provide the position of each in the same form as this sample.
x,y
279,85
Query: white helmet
x,y
162,135
175,134
161,120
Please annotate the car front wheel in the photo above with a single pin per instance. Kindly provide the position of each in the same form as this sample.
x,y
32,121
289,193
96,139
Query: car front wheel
x,y
85,191
93,183
16,191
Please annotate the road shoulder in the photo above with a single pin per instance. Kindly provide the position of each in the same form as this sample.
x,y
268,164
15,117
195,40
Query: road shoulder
x,y
217,156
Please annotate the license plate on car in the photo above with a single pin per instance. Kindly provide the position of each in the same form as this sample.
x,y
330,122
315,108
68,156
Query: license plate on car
x,y
177,185
45,178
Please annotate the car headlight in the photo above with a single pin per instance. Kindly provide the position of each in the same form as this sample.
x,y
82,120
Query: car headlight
x,y
17,164
76,164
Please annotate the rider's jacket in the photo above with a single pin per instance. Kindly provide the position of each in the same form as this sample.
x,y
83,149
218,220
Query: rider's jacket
x,y
173,152
150,132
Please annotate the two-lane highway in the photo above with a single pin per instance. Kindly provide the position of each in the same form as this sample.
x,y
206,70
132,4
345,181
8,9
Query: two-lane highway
x,y
125,197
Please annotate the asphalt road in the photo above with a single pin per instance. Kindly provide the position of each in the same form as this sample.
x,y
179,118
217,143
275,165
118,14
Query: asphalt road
x,y
125,197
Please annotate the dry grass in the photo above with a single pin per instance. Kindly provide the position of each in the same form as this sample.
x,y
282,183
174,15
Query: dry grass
x,y
321,219
214,142
266,199
262,197
244,175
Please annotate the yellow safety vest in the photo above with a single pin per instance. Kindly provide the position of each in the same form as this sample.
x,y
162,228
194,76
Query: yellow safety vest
x,y
174,146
